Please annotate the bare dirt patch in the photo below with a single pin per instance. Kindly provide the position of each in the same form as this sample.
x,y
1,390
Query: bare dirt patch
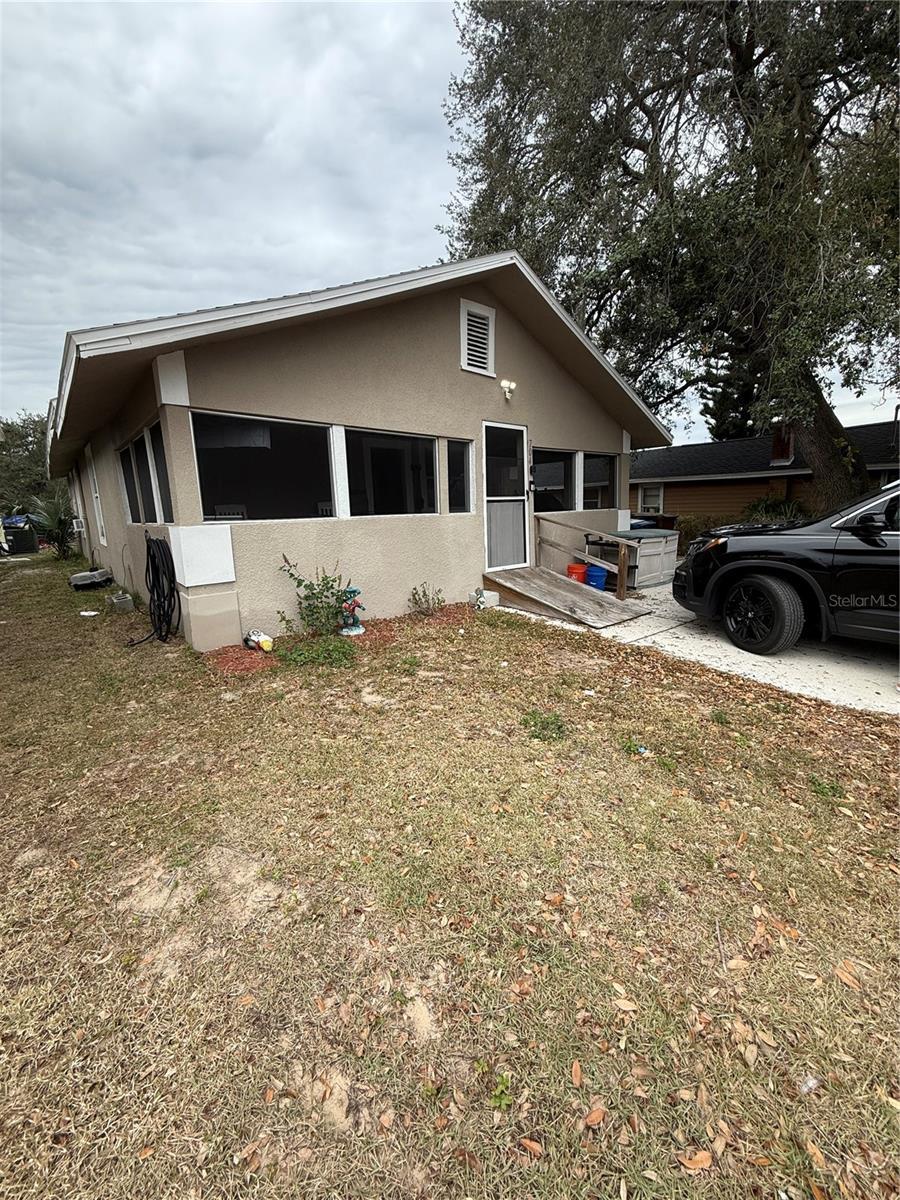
x,y
156,888
240,892
36,858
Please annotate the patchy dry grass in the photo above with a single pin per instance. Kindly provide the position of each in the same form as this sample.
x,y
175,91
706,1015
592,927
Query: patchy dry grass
x,y
359,933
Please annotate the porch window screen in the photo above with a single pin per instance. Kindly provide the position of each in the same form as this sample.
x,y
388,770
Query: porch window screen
x,y
254,470
131,492
162,471
459,483
600,481
554,480
145,483
389,473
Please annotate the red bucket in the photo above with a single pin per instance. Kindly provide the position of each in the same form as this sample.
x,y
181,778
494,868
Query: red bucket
x,y
577,571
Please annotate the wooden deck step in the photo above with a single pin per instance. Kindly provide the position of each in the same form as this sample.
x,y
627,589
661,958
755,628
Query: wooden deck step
x,y
539,590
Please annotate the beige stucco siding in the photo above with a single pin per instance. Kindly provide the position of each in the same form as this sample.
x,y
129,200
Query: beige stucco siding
x,y
392,368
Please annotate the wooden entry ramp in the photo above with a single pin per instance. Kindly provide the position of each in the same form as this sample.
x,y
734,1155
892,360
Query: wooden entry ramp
x,y
539,590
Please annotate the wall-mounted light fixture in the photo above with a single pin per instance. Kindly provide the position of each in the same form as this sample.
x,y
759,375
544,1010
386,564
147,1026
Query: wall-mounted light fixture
x,y
508,386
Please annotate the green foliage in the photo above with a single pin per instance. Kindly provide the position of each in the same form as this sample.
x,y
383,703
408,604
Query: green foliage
x,y
23,469
769,509
825,789
546,727
54,518
719,716
408,664
426,600
692,525
319,600
329,650
500,1098
710,188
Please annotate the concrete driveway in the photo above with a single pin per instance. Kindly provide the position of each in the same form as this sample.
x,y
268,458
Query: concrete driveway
x,y
858,674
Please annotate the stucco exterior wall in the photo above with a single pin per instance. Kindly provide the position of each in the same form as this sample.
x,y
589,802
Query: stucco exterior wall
x,y
393,368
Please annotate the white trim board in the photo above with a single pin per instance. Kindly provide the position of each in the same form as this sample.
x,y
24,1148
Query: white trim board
x,y
202,554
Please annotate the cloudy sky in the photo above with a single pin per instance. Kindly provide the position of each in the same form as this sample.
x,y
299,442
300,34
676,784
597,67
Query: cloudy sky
x,y
162,157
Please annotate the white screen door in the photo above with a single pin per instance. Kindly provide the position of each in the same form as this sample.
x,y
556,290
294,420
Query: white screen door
x,y
506,496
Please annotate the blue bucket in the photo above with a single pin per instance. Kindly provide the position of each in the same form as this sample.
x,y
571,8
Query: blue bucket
x,y
596,578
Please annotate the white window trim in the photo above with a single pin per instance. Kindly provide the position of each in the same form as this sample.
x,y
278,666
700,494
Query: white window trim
x,y
470,490
154,481
95,493
466,306
431,437
654,486
614,476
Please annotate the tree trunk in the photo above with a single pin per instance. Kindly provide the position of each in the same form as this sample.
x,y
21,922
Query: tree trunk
x,y
838,468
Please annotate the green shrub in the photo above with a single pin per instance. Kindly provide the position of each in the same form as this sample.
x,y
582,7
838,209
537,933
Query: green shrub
x,y
692,525
54,518
331,650
426,600
546,727
319,601
767,508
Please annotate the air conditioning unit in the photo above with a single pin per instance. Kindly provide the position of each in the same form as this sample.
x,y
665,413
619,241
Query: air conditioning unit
x,y
78,525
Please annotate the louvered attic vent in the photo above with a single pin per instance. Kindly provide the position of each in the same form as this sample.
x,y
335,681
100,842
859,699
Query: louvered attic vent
x,y
477,333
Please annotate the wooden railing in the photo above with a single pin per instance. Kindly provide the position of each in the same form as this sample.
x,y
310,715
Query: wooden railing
x,y
619,568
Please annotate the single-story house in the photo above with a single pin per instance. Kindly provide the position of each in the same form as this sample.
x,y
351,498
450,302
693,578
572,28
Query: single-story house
x,y
386,427
721,479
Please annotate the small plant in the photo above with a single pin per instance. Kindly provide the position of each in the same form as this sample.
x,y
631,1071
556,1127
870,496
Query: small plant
x,y
719,716
631,745
320,601
825,789
408,664
546,727
768,508
426,600
54,519
330,651
500,1097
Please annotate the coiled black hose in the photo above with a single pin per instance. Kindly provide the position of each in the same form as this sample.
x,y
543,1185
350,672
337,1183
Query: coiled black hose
x,y
165,603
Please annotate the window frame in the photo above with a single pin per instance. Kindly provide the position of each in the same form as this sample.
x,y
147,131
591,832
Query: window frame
x,y
128,447
95,493
393,433
470,476
333,465
613,478
465,307
577,501
656,487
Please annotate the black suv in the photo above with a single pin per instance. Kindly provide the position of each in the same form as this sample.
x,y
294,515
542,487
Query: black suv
x,y
835,575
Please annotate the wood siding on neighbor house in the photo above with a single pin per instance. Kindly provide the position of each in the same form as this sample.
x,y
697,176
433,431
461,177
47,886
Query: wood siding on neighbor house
x,y
717,498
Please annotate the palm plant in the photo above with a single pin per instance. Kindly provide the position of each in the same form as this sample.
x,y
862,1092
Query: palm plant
x,y
54,516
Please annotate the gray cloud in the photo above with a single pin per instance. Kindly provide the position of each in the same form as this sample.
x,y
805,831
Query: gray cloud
x,y
163,157
158,158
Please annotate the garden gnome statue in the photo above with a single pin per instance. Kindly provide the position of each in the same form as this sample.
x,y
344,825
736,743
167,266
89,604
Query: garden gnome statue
x,y
351,624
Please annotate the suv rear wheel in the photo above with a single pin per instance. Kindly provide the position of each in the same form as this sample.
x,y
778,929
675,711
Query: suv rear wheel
x,y
763,614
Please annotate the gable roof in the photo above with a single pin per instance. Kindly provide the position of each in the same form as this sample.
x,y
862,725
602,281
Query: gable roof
x,y
753,456
110,358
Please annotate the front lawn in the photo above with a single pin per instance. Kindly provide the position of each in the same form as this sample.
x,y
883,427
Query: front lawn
x,y
498,910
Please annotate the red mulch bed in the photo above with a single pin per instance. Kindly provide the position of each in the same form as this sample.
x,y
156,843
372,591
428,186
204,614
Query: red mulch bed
x,y
380,633
238,660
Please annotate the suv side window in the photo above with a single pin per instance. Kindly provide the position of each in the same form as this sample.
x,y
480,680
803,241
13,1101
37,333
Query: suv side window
x,y
892,513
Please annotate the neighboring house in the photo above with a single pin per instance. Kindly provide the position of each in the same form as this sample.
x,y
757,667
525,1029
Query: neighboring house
x,y
386,427
720,479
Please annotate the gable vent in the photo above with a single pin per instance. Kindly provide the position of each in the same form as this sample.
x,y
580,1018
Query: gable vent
x,y
477,329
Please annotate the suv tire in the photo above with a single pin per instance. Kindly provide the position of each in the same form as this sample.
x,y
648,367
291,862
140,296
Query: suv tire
x,y
762,614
